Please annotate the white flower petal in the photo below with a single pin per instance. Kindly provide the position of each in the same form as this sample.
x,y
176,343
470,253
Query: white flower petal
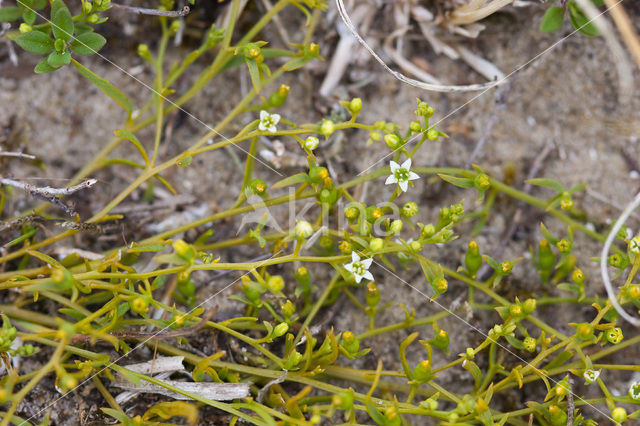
x,y
275,118
406,164
272,129
413,176
390,179
394,166
354,257
263,115
262,126
404,185
358,278
366,262
349,267
368,276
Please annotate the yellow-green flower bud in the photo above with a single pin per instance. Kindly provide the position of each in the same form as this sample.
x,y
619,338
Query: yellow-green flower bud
x,y
25,28
288,309
577,276
140,305
175,26
343,400
433,134
275,283
422,372
415,246
376,244
144,53
327,128
93,19
392,141
415,127
619,414
345,247
375,136
566,203
584,331
86,7
373,295
67,382
409,209
280,330
303,229
614,335
481,182
427,231
355,106
396,226
352,213
529,344
529,306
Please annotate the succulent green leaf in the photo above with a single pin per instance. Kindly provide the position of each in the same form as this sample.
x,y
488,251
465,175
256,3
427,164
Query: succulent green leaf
x,y
552,19
62,24
104,85
37,4
43,67
35,42
58,59
87,43
580,22
9,13
29,16
81,28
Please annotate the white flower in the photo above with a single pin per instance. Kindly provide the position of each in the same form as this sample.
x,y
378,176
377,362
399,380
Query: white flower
x,y
401,174
268,122
590,376
311,143
359,268
634,391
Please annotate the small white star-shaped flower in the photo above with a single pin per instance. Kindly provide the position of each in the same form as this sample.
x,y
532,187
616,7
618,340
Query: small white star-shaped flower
x,y
359,268
268,122
590,376
401,174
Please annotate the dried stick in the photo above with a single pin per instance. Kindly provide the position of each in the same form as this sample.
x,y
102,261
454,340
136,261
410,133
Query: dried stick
x,y
156,12
17,154
47,191
623,23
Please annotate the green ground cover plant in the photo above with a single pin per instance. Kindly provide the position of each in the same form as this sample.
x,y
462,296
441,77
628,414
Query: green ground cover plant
x,y
334,250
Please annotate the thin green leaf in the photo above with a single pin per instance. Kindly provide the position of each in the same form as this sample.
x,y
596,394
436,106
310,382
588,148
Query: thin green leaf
x,y
62,24
457,181
9,13
108,88
35,42
292,180
87,43
254,73
127,135
547,183
552,19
